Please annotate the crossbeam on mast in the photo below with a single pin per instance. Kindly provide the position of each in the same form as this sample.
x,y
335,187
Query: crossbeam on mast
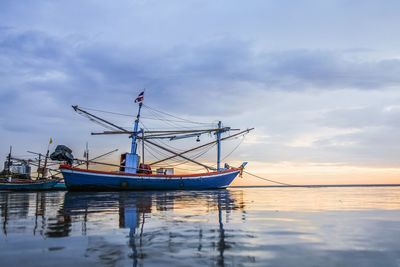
x,y
165,132
192,131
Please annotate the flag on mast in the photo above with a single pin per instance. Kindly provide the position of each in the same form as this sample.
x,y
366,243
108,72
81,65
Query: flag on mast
x,y
140,98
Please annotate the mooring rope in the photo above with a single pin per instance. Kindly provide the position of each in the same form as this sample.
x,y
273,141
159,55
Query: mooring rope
x,y
269,180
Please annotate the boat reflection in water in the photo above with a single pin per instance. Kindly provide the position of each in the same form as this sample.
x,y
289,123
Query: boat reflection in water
x,y
36,213
120,227
135,212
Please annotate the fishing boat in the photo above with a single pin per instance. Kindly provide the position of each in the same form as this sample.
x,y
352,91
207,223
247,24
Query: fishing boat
x,y
16,175
133,175
27,185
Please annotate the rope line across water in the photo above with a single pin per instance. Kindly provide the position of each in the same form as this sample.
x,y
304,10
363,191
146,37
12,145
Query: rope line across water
x,y
269,180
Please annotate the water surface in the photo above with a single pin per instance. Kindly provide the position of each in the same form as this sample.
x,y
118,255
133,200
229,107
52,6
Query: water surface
x,y
351,226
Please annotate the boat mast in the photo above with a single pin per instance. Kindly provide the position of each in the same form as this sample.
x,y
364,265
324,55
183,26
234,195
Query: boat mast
x,y
132,159
219,146
9,162
87,156
39,166
45,159
135,131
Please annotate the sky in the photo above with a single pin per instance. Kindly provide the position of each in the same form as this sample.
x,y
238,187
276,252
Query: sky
x,y
319,80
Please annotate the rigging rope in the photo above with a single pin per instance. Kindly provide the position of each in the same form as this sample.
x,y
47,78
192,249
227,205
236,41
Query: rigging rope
x,y
109,112
182,161
168,122
182,119
133,116
147,148
193,157
96,121
159,141
233,150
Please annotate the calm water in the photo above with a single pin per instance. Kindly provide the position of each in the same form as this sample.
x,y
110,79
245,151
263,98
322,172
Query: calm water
x,y
353,226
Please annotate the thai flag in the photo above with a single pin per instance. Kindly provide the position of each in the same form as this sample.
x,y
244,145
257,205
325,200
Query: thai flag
x,y
140,98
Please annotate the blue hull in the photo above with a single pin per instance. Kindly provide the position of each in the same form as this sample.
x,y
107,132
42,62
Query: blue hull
x,y
28,186
81,180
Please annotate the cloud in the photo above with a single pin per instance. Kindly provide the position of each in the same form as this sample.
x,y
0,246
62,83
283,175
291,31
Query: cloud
x,y
225,65
375,115
222,65
333,70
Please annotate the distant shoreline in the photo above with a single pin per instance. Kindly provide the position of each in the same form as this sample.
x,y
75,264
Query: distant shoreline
x,y
335,185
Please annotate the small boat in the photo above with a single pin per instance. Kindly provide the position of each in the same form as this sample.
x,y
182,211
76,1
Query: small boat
x,y
133,175
27,185
19,179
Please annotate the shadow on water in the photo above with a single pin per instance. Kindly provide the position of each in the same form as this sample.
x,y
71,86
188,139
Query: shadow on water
x,y
96,215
